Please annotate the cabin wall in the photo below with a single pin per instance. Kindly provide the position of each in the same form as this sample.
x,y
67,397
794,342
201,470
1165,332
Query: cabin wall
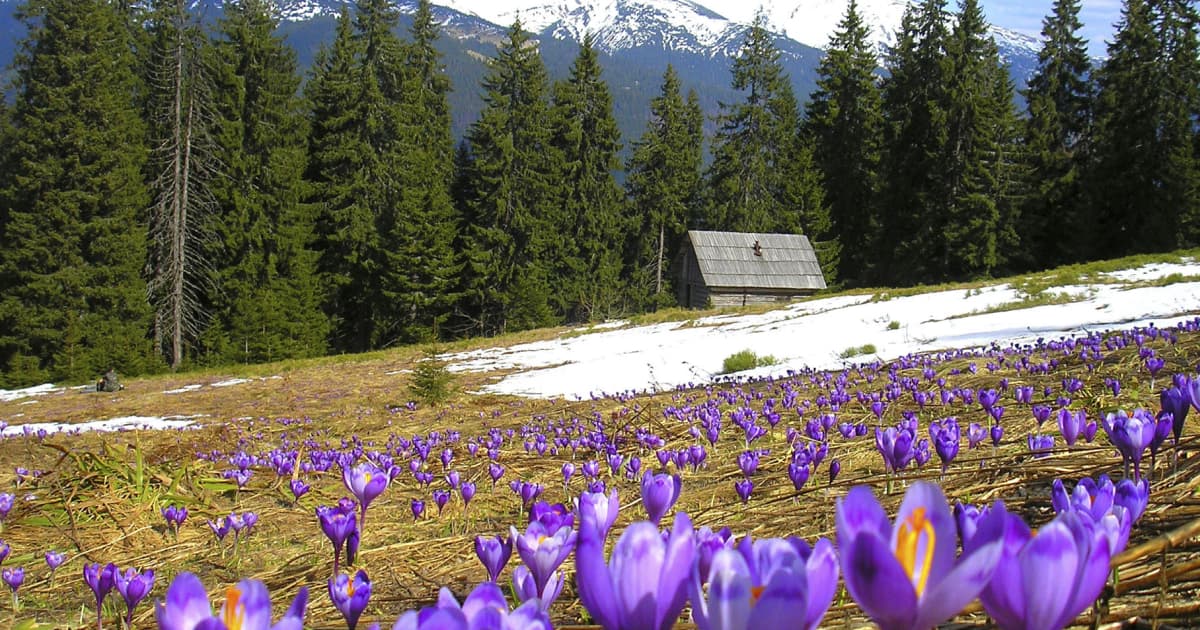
x,y
747,297
691,291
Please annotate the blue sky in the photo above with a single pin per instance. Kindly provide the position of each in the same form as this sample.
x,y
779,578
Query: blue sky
x,y
1098,17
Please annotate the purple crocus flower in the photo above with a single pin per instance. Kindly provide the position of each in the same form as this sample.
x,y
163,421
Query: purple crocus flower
x,y
799,474
350,595
945,435
366,481
6,504
568,471
299,488
659,493
976,434
1131,434
14,577
485,607
101,580
644,584
494,554
542,550
418,508
997,435
133,586
770,583
743,488
55,559
525,587
1044,581
5,549
440,499
467,492
338,525
219,527
835,467
1040,445
905,575
708,543
248,604
1071,424
600,509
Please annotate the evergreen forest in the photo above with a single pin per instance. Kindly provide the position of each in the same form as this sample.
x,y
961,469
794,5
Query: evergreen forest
x,y
178,194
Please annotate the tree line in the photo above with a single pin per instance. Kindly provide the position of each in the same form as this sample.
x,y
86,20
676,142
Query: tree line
x,y
175,194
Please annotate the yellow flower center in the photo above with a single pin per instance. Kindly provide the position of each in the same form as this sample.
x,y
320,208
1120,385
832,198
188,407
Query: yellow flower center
x,y
908,544
756,592
233,614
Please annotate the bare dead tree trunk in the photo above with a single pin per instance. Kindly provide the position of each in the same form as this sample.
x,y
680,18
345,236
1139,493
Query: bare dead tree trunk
x,y
178,269
662,228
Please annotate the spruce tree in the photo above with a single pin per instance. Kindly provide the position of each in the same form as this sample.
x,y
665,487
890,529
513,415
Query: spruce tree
x,y
1057,127
967,245
663,186
72,289
761,178
845,121
339,167
915,191
1143,177
266,302
182,165
420,264
594,222
1177,22
510,212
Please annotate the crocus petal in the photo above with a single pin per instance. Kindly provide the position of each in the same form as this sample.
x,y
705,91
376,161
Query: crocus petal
x,y
635,561
485,596
822,578
527,616
256,603
592,577
962,584
925,503
860,511
877,582
676,567
729,593
784,601
1050,562
186,604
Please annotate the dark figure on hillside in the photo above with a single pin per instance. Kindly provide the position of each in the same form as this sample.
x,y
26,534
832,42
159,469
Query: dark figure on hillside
x,y
109,382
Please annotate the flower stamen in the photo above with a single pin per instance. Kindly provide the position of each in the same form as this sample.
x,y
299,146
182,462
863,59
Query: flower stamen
x,y
908,542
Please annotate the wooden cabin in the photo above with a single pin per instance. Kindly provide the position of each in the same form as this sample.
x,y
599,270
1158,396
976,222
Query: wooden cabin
x,y
740,268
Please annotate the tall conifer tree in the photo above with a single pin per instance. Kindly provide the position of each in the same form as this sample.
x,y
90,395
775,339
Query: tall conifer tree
x,y
510,209
663,186
761,177
968,244
267,303
421,263
340,161
1059,101
1140,174
915,138
75,238
590,242
845,122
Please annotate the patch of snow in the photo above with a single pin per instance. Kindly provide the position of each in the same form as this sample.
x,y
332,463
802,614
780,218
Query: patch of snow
x,y
1153,271
9,395
125,423
813,333
232,381
185,388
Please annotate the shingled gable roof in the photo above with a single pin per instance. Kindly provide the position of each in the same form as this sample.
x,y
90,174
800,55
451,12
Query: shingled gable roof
x,y
728,260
